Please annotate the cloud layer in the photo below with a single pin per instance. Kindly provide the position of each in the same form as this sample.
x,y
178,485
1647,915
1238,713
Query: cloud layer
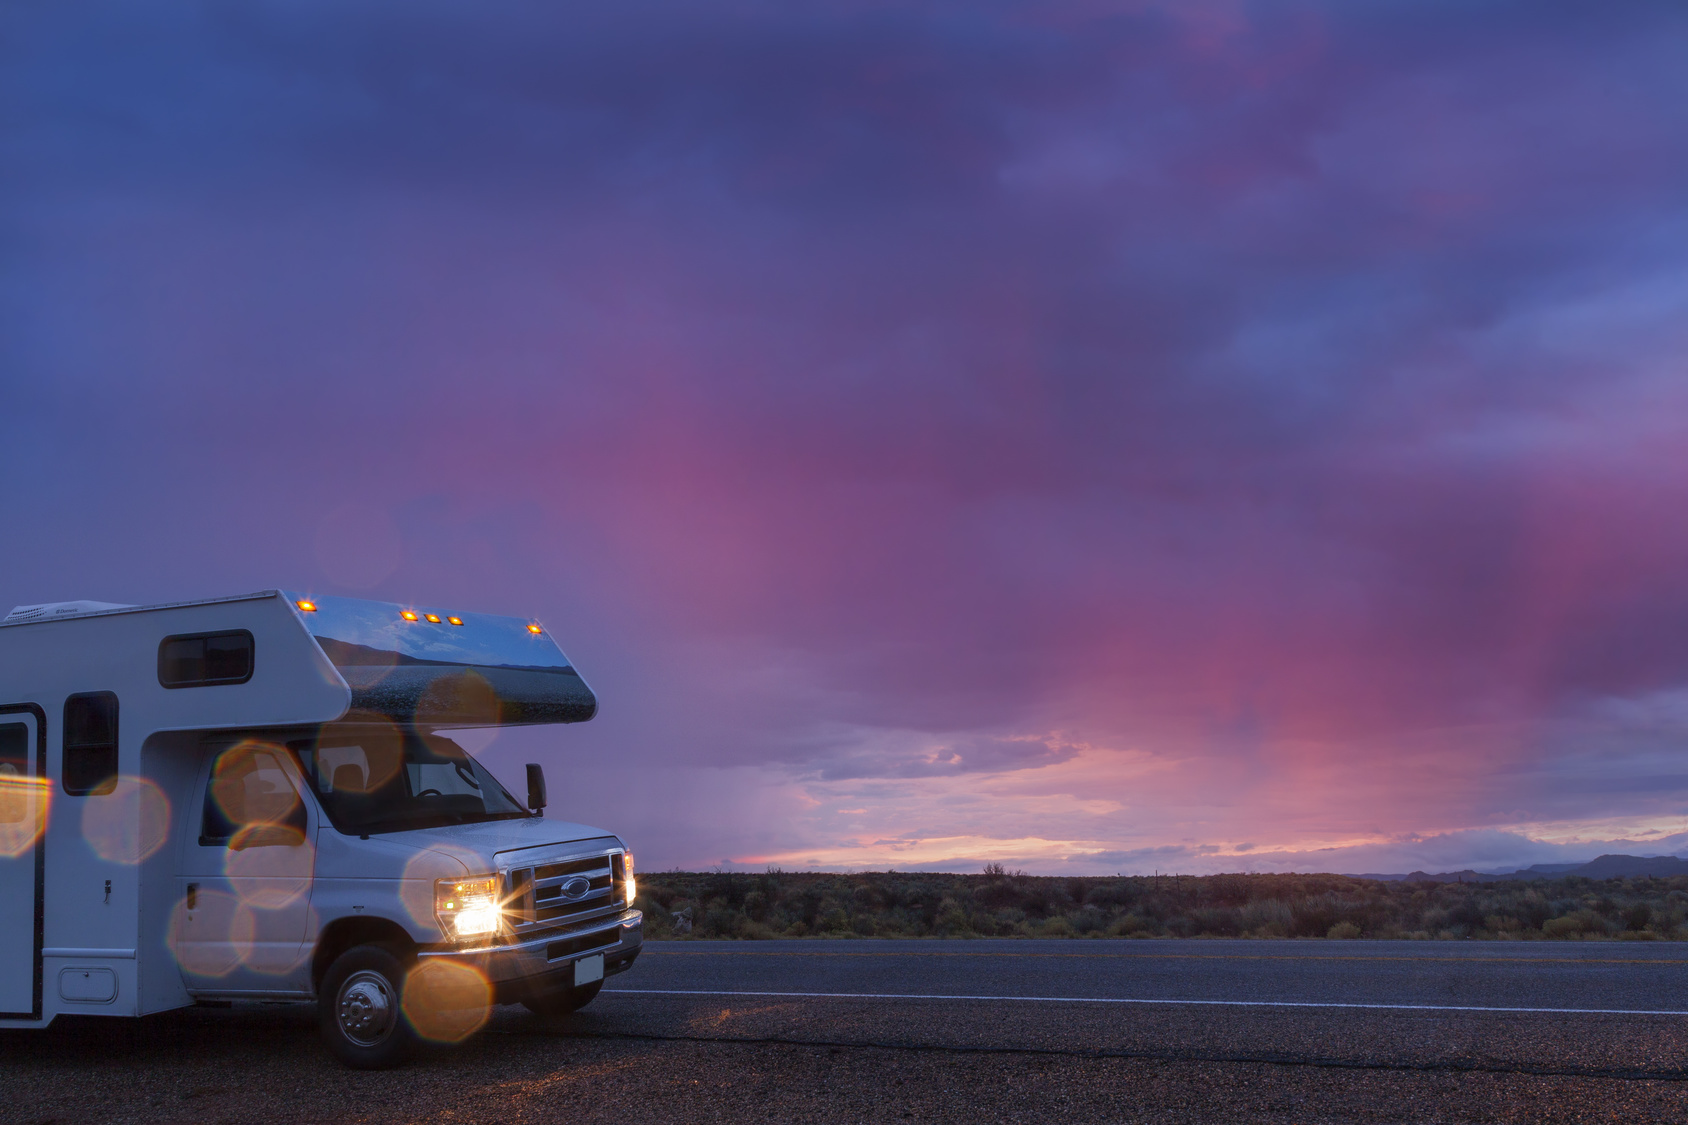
x,y
1058,434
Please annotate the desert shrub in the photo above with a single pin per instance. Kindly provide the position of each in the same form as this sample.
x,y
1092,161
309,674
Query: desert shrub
x,y
1532,910
1343,930
951,919
1112,893
653,908
1584,922
728,888
996,894
1268,916
1229,890
1036,899
1466,913
1130,924
1314,917
1215,921
887,904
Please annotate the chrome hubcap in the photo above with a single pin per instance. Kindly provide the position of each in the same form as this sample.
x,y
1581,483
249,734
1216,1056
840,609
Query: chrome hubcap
x,y
365,1008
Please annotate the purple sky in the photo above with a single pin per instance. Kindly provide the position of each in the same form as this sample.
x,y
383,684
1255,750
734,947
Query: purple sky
x,y
1093,437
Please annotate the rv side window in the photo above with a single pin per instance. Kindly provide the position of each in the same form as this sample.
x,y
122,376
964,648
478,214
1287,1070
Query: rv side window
x,y
90,743
205,659
248,796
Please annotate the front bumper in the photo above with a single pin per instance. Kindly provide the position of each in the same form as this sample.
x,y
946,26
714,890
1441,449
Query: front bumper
x,y
546,963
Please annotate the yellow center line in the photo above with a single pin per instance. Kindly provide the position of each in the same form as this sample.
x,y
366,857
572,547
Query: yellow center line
x,y
651,947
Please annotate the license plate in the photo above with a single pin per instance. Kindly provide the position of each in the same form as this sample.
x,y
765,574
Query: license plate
x,y
588,969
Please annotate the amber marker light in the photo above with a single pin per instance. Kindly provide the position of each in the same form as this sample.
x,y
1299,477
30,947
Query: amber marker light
x,y
455,620
308,607
535,630
408,614
433,618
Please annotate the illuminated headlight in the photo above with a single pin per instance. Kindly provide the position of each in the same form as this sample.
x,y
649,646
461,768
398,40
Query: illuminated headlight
x,y
468,907
627,870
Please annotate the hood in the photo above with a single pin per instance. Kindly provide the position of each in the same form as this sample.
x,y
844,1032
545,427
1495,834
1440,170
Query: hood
x,y
485,842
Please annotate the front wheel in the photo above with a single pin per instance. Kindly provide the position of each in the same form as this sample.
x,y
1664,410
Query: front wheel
x,y
360,1009
562,1001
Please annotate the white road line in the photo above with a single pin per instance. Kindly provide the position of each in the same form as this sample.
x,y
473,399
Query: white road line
x,y
1126,1000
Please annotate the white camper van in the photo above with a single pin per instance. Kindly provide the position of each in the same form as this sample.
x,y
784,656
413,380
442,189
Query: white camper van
x,y
258,797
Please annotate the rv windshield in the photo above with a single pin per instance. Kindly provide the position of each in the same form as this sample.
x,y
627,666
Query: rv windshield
x,y
380,778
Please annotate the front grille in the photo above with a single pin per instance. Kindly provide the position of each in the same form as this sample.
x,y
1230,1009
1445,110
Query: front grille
x,y
557,893
571,947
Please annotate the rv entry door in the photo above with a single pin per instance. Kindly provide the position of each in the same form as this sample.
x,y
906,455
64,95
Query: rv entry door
x,y
246,879
23,819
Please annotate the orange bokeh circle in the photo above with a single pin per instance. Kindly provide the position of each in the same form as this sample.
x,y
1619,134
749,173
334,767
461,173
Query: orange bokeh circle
x,y
250,784
446,1001
440,861
214,937
24,803
128,824
269,865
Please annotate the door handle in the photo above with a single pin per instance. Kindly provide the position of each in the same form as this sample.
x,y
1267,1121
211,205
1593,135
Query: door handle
x,y
193,895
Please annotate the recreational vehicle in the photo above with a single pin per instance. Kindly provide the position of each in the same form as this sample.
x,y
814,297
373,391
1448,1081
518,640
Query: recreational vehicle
x,y
260,798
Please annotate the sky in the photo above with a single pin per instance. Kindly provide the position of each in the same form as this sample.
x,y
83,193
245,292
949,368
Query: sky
x,y
1091,437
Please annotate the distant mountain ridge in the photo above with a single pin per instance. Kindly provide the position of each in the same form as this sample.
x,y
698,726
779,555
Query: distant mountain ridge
x,y
1601,867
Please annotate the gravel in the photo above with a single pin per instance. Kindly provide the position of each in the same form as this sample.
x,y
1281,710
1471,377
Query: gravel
x,y
708,1062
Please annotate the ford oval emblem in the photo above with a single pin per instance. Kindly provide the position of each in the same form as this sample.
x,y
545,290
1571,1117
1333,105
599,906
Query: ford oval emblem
x,y
576,887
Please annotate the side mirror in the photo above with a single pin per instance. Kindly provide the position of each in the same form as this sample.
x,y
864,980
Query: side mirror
x,y
536,788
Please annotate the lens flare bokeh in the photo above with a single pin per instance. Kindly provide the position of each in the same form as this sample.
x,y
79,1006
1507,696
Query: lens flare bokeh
x,y
363,756
215,936
24,804
249,784
467,697
269,865
440,861
128,824
445,1001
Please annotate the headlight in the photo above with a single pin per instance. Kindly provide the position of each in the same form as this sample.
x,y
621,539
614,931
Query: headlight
x,y
627,870
467,907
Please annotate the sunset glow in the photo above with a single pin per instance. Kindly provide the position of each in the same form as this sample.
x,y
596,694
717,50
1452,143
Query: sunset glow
x,y
1185,437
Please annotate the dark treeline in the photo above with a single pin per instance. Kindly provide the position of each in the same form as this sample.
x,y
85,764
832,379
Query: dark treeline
x,y
1003,904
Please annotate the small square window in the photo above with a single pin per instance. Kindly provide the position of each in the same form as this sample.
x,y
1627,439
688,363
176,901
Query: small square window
x,y
90,743
205,659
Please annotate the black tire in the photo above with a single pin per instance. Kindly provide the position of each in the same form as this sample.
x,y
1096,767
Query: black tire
x,y
360,1009
562,1001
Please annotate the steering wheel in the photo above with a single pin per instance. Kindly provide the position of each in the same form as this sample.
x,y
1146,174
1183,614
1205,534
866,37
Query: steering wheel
x,y
430,793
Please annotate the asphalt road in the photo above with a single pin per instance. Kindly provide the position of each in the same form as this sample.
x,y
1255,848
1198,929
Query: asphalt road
x,y
1556,977
975,1031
